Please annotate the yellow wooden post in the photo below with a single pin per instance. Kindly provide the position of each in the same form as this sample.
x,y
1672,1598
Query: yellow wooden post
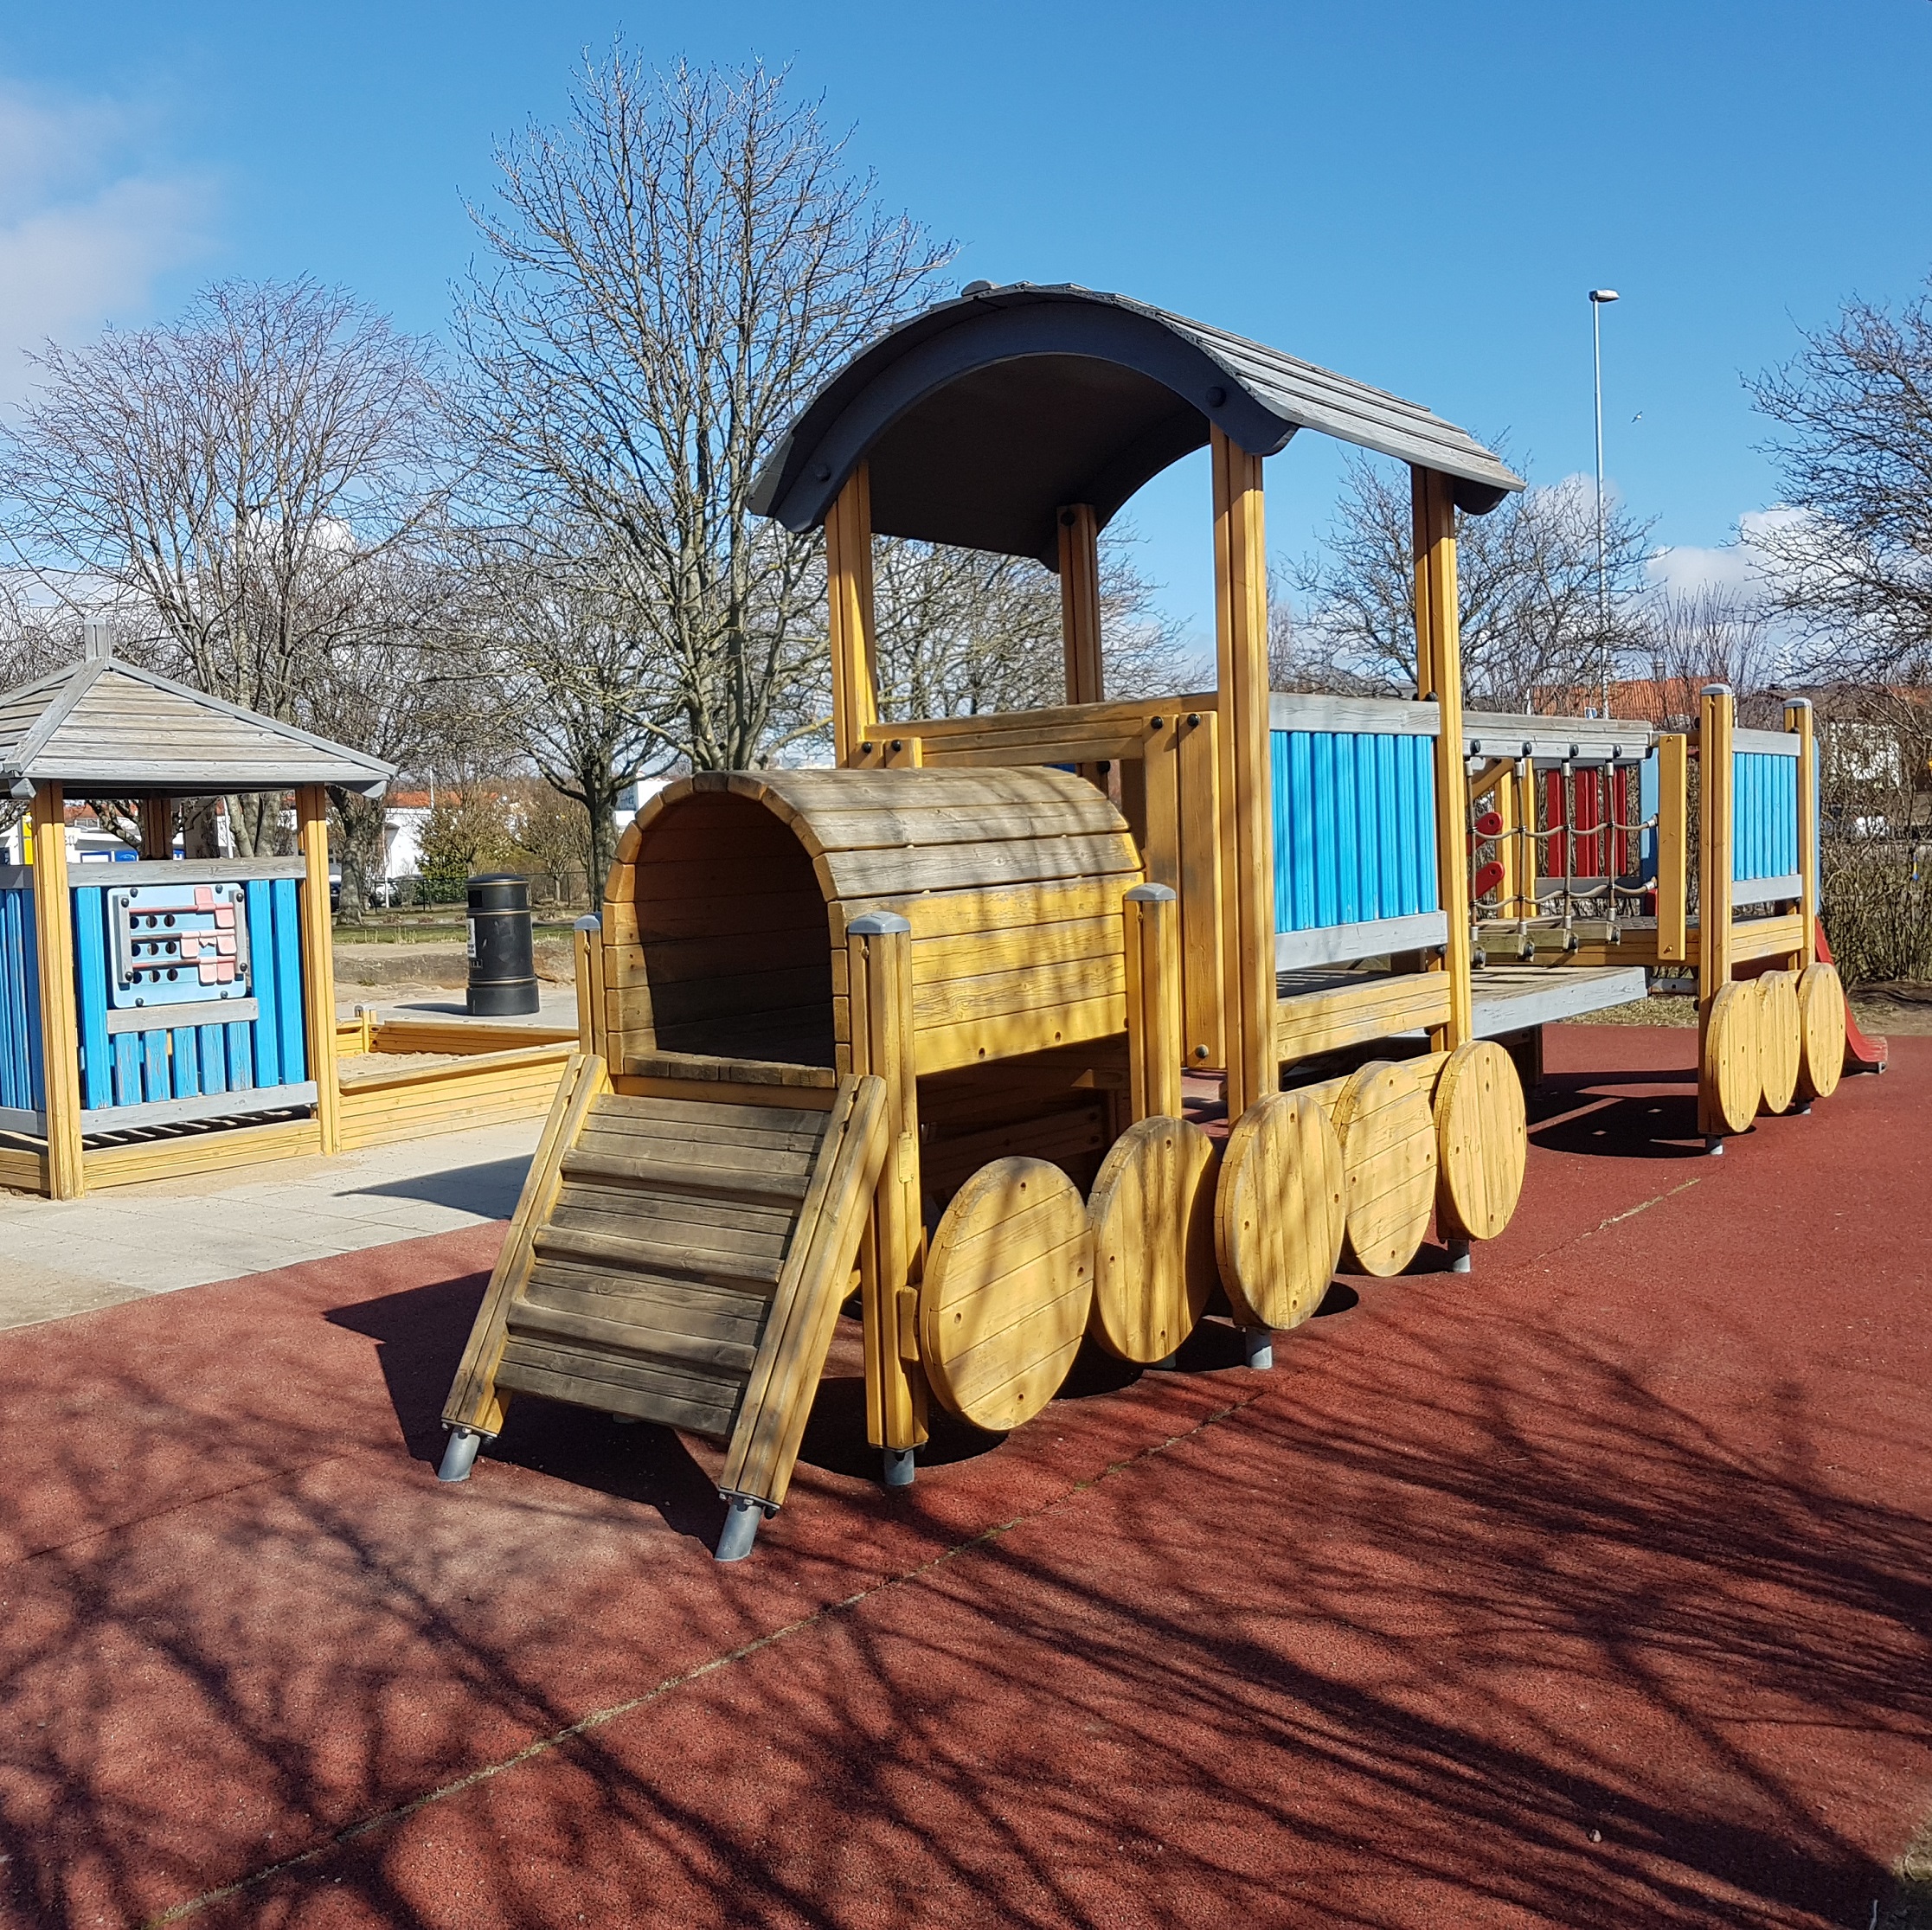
x,y
1673,847
1715,805
1247,829
1798,717
157,828
1153,935
1439,675
588,956
879,951
318,962
855,665
1080,602
60,1023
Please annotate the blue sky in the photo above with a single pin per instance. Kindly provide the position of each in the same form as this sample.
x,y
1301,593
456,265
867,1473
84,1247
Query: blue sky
x,y
1418,196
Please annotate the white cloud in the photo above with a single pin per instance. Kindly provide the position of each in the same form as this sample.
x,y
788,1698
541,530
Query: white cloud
x,y
1733,568
89,221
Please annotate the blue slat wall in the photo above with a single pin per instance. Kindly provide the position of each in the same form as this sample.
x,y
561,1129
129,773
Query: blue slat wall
x,y
1764,837
185,1061
1354,827
21,1085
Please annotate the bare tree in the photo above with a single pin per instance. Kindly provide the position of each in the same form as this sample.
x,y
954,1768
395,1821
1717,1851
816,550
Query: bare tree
x,y
230,483
1854,567
965,631
1526,579
572,660
671,274
1711,635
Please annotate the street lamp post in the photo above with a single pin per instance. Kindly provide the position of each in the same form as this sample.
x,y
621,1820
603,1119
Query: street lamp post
x,y
1598,297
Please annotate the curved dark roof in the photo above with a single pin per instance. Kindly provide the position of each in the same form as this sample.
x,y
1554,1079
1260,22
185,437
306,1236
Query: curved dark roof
x,y
981,417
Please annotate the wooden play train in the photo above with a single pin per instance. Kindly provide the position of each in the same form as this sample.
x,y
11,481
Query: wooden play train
x,y
1067,1025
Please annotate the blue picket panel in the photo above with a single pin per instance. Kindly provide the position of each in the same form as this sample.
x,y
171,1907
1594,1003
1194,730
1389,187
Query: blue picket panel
x,y
292,1053
213,1052
242,1058
187,1061
1348,836
127,1069
1328,856
1408,816
155,1083
19,972
1764,832
1355,827
1369,871
90,987
261,949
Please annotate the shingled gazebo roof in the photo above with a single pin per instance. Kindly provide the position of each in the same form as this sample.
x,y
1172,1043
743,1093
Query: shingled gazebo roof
x,y
115,730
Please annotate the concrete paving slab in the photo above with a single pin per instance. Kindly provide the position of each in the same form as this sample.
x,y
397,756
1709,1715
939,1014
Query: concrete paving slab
x,y
76,1256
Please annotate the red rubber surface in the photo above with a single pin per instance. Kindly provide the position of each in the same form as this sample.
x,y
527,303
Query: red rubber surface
x,y
1629,1534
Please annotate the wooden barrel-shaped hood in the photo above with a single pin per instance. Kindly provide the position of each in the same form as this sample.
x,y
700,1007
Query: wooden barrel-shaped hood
x,y
725,913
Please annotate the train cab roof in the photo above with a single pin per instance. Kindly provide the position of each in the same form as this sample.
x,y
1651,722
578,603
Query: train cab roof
x,y
980,417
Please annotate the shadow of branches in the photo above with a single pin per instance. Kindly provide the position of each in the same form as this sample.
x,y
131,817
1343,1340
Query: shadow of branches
x,y
1459,1618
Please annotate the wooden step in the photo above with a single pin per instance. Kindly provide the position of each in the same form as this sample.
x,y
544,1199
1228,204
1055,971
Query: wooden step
x,y
647,1172
669,1259
627,1337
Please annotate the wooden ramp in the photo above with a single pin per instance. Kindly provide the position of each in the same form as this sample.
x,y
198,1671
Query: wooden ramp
x,y
679,1255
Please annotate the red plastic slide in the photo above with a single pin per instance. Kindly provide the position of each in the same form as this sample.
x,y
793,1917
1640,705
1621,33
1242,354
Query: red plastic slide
x,y
1861,1054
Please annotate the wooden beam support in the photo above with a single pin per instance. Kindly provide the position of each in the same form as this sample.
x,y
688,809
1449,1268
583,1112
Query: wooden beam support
x,y
1152,916
1798,717
59,1023
1246,822
1716,806
879,949
1439,675
855,662
1673,847
157,828
1080,602
318,962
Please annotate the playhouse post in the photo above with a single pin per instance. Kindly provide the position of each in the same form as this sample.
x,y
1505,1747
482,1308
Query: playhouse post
x,y
1716,802
1673,847
1439,675
879,951
157,828
854,666
59,1035
318,961
1080,602
1798,717
1154,1049
1247,836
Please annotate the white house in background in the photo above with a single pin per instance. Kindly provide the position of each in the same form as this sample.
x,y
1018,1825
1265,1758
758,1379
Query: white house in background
x,y
632,799
407,816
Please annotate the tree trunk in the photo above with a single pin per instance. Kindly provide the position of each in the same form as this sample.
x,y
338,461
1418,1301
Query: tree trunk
x,y
198,838
359,822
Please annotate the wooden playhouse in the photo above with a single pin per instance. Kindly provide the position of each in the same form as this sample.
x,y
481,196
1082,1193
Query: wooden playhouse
x,y
928,1014
172,1016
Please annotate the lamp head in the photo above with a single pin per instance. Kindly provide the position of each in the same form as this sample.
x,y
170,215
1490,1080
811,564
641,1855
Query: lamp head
x,y
1603,294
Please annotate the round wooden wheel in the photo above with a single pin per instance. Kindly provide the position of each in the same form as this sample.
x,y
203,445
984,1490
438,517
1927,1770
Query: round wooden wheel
x,y
1388,1136
1152,1211
1822,1028
1009,1282
1278,1210
1779,1047
1482,1141
1729,1074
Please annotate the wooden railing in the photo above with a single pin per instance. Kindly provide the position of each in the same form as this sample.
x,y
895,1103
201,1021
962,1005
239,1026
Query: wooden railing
x,y
1157,757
